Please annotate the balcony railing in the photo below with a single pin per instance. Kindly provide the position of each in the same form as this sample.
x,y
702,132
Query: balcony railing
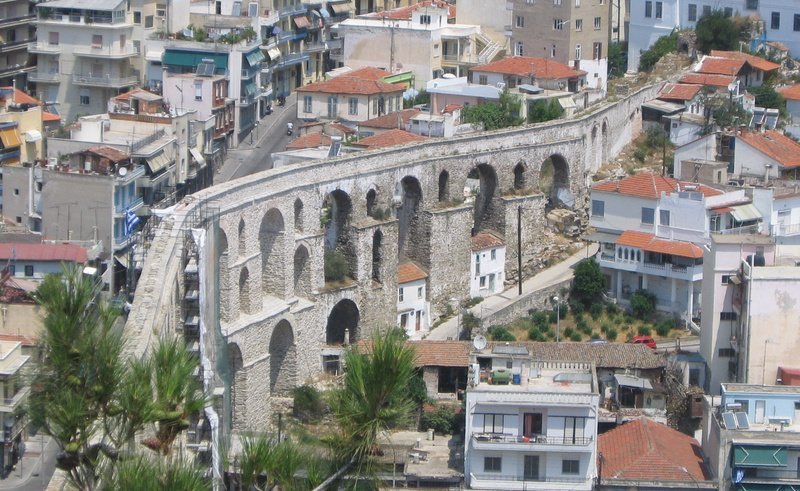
x,y
21,19
291,36
532,440
9,404
39,47
112,52
679,271
746,230
517,478
131,205
292,59
104,81
14,45
297,8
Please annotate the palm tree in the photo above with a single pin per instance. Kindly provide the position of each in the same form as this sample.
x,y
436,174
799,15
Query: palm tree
x,y
143,473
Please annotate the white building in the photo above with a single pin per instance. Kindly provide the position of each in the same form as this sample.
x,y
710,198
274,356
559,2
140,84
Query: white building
x,y
15,393
487,268
530,424
413,308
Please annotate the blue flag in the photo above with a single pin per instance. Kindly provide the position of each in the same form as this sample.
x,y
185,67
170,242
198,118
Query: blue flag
x,y
131,221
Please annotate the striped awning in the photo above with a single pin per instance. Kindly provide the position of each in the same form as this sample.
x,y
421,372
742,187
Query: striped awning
x,y
301,21
10,137
158,162
255,57
745,213
274,53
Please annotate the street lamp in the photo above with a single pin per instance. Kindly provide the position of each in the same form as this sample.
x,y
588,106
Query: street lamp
x,y
558,318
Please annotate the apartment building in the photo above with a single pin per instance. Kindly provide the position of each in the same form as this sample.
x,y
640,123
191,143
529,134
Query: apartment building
x,y
487,268
16,32
413,308
573,32
531,423
13,365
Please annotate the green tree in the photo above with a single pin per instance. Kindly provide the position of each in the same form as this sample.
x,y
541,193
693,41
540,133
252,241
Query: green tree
x,y
589,284
767,96
715,30
495,115
662,46
544,110
643,304
144,473
617,61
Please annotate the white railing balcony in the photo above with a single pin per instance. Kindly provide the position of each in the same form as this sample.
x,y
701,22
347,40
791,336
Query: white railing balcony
x,y
678,271
114,52
104,81
514,482
10,404
41,48
534,443
40,76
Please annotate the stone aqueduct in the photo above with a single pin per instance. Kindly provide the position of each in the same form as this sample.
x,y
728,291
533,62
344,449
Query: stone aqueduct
x,y
270,320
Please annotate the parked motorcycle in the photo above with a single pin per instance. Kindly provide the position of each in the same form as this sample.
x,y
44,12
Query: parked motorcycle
x,y
289,129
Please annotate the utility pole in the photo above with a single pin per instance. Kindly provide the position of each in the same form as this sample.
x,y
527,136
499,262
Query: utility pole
x,y
519,249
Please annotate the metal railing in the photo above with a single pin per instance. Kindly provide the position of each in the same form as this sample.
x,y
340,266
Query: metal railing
x,y
499,476
107,51
532,440
13,20
42,47
297,8
104,81
147,140
131,205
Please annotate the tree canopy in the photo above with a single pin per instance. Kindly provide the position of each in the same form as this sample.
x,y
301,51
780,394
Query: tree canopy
x,y
495,115
662,46
716,30
589,283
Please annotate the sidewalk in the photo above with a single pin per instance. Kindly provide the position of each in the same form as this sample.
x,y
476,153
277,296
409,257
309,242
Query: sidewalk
x,y
29,468
545,279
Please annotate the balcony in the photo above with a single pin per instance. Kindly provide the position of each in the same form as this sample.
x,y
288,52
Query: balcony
x,y
97,19
15,69
315,47
131,175
44,77
251,72
10,404
531,482
292,59
536,443
289,36
110,52
295,9
42,48
607,259
104,81
134,205
17,21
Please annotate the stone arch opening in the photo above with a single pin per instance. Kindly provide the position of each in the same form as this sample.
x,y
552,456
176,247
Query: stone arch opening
x,y
238,387
340,253
298,215
342,324
520,176
245,305
222,261
372,199
377,239
273,261
444,186
242,240
554,182
282,359
302,272
409,226
482,185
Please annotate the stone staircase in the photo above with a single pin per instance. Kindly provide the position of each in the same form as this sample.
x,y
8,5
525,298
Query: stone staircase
x,y
490,48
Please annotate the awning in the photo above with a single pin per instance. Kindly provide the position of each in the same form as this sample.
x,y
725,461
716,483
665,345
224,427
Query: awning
x,y
194,58
301,21
250,89
10,137
122,259
33,136
158,162
759,456
324,13
154,55
341,8
274,53
255,57
745,213
567,102
198,157
636,382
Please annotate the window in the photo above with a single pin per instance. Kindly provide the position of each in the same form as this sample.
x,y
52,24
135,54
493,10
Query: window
x,y
518,48
751,4
659,9
726,279
597,23
419,292
424,19
553,51
477,264
492,464
728,11
558,24
399,294
97,41
333,106
252,9
494,254
12,269
796,22
577,3
578,24
520,21
776,20
403,320
726,353
84,97
483,80
692,12
492,423
198,90
306,103
137,17
706,9
569,466
597,51
744,403
19,219
727,316
148,21
573,430
663,217
352,106
53,38
648,9
16,191
161,10
598,208
29,270
556,2
482,282
648,215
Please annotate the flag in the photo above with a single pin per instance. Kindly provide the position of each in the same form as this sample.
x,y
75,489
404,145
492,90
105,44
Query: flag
x,y
131,221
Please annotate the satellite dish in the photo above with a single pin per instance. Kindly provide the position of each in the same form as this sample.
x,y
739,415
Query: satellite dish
x,y
479,342
122,171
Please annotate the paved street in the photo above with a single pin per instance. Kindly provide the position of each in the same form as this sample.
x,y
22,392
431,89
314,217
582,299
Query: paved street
x,y
250,158
36,468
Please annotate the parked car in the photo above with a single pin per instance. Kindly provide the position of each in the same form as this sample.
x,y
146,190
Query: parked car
x,y
597,341
645,340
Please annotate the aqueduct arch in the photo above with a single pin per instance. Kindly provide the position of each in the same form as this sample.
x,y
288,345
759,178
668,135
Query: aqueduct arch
x,y
342,327
282,359
273,260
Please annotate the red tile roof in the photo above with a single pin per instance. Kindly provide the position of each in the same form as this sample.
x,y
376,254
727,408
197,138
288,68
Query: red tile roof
x,y
649,451
42,252
21,97
649,242
650,185
392,120
678,92
310,140
775,145
451,108
405,13
389,138
486,240
346,130
721,66
110,153
50,117
708,79
754,61
526,66
350,84
441,353
408,272
367,73
791,92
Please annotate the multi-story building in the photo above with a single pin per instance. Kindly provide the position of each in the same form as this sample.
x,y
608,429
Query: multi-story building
x,y
514,71
752,437
652,19
531,423
14,396
487,268
413,308
574,32
16,32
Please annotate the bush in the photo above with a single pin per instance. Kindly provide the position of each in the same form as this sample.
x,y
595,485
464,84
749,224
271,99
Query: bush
x,y
308,403
534,334
568,332
664,327
552,317
612,309
500,333
643,304
468,323
576,308
472,302
605,327
442,420
662,46
611,334
576,336
596,310
588,284
539,318
335,266
644,330
640,154
584,327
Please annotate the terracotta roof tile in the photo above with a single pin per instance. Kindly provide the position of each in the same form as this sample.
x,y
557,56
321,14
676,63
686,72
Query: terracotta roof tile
x,y
389,138
50,117
708,79
649,451
433,353
342,128
721,66
392,120
405,13
791,92
649,242
42,252
754,61
678,92
367,73
20,96
408,271
350,84
605,355
310,140
650,185
775,145
110,153
525,66
451,108
486,240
